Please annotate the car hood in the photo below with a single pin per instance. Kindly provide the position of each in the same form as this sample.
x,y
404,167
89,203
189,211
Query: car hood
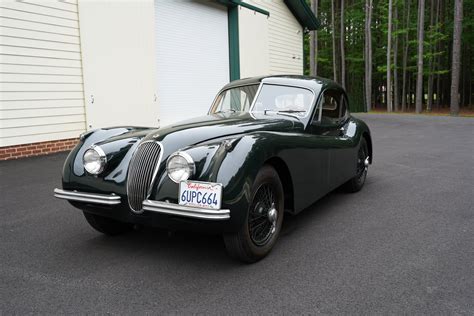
x,y
205,128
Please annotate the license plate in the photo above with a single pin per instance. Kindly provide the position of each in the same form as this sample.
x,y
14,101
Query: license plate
x,y
200,194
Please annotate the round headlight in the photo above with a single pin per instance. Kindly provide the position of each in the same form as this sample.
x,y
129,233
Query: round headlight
x,y
180,167
94,160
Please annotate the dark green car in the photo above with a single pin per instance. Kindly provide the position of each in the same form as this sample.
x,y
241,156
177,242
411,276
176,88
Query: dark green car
x,y
268,145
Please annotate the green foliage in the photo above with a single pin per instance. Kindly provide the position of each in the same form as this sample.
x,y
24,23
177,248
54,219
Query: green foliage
x,y
437,42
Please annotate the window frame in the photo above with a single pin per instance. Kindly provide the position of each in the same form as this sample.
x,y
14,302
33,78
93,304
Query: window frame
x,y
318,111
214,104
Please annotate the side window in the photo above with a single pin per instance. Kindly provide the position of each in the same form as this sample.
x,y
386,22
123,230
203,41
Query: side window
x,y
332,108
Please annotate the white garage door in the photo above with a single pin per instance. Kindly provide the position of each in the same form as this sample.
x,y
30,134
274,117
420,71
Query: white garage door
x,y
192,57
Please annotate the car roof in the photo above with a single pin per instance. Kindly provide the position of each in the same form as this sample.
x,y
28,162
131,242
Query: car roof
x,y
313,83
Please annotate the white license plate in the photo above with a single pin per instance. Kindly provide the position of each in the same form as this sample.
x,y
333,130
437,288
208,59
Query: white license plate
x,y
200,194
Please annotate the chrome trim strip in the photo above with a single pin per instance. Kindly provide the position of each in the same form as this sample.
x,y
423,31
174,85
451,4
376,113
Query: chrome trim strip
x,y
107,199
223,90
186,211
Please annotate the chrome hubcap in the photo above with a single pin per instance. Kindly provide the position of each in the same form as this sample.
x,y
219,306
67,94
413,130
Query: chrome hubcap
x,y
366,163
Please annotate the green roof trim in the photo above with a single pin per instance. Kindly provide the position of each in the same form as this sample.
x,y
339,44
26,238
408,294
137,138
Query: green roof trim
x,y
251,7
303,13
245,5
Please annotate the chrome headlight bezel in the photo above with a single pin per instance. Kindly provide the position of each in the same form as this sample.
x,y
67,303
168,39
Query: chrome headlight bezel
x,y
101,160
188,166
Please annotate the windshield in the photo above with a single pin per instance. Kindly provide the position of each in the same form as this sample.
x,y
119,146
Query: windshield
x,y
283,100
236,99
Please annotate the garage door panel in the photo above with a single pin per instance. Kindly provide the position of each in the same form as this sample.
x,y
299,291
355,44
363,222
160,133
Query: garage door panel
x,y
192,57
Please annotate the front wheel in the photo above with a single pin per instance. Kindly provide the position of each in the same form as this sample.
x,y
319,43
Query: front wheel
x,y
355,184
106,225
260,231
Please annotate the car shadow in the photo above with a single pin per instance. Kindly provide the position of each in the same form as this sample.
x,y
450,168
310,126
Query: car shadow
x,y
156,245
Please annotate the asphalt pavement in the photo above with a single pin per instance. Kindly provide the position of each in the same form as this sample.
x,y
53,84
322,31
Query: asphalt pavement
x,y
403,245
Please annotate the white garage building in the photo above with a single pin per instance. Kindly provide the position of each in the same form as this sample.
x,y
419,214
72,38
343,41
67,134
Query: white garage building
x,y
68,66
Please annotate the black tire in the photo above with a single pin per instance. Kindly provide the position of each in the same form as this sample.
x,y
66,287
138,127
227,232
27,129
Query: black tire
x,y
355,184
264,219
106,225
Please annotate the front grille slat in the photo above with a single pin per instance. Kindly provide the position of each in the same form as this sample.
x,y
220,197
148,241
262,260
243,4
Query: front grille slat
x,y
141,171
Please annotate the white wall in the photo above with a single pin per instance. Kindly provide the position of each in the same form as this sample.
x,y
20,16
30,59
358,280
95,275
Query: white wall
x,y
284,41
41,91
253,43
118,50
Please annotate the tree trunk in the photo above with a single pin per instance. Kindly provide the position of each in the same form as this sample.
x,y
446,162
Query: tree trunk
x,y
313,44
368,55
429,104
405,57
456,55
333,31
419,79
396,100
316,5
343,57
438,58
389,50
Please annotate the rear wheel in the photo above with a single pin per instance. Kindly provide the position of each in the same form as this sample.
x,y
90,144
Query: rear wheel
x,y
106,225
260,231
356,183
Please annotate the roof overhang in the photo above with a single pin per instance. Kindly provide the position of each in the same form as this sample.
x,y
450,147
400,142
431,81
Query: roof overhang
x,y
303,13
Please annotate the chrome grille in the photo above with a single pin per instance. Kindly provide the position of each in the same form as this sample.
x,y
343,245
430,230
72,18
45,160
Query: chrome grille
x,y
141,171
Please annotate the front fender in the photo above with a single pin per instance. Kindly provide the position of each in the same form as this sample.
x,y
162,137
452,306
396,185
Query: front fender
x,y
117,144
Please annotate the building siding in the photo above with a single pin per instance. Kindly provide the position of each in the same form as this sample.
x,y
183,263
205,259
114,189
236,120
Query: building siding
x,y
41,86
285,38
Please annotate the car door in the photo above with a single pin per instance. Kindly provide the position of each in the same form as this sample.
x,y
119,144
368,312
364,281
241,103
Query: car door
x,y
329,123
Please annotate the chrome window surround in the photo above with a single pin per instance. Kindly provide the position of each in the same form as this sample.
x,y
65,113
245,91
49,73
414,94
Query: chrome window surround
x,y
96,198
155,172
239,86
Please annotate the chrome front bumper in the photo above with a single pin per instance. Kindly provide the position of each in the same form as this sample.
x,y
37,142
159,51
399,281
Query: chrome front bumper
x,y
148,205
107,199
187,211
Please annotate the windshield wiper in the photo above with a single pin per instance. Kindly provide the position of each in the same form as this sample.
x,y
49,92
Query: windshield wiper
x,y
285,113
292,111
229,110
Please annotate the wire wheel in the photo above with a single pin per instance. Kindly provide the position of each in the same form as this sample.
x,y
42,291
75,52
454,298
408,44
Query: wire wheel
x,y
362,163
263,215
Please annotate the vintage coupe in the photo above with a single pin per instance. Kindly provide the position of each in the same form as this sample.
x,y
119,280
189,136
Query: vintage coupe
x,y
268,145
